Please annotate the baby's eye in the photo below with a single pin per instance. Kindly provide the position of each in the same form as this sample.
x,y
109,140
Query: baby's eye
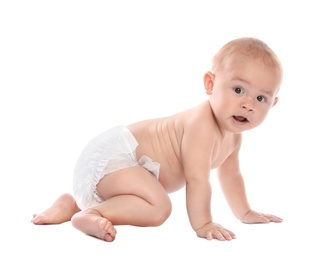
x,y
260,98
238,90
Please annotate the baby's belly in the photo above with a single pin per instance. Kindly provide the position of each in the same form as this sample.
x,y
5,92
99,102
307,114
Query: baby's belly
x,y
171,180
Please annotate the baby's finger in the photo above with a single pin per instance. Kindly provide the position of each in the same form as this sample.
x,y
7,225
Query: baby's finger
x,y
273,218
208,236
231,234
218,235
227,234
262,219
223,235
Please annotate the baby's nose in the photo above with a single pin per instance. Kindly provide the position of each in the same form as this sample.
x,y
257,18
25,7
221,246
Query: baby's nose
x,y
248,105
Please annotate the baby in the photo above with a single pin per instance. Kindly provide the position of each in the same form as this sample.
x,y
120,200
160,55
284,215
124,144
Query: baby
x,y
124,175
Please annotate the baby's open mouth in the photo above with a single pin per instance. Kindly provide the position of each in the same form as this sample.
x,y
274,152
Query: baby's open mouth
x,y
240,119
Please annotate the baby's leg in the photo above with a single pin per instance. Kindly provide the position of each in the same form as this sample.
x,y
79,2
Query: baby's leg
x,y
61,211
132,196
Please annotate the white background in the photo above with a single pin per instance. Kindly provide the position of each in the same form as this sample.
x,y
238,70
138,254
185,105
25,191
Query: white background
x,y
71,69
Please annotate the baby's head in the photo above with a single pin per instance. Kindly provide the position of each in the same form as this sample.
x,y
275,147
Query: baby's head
x,y
245,79
244,48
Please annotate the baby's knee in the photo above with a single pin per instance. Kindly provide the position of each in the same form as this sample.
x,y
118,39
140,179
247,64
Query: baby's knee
x,y
162,212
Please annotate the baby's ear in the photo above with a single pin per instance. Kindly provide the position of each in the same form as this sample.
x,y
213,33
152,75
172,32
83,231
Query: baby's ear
x,y
208,80
275,101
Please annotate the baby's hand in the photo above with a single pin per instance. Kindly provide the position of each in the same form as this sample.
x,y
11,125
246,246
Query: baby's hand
x,y
253,217
214,230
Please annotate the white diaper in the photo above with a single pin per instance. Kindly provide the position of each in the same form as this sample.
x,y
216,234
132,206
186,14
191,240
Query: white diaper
x,y
110,151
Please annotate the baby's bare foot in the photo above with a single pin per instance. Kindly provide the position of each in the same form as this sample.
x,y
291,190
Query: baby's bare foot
x,y
94,225
61,211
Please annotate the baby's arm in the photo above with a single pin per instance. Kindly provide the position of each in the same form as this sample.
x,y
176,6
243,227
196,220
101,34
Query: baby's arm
x,y
196,156
198,199
232,184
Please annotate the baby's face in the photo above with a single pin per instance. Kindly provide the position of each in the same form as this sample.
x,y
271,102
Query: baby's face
x,y
243,93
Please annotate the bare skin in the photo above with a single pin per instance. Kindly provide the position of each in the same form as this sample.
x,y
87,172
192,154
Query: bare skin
x,y
65,207
188,145
61,211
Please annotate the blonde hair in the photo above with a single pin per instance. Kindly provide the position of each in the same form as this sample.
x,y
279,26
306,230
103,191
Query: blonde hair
x,y
246,47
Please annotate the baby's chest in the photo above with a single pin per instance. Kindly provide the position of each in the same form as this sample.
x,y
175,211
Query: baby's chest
x,y
220,154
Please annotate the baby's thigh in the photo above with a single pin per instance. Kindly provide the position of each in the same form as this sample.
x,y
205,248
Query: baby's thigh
x,y
133,181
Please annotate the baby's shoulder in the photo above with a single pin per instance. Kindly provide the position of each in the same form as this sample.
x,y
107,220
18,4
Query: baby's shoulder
x,y
201,113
